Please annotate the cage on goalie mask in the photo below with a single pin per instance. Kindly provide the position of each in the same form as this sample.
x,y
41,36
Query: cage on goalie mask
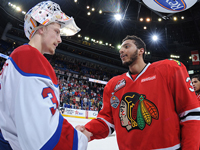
x,y
45,13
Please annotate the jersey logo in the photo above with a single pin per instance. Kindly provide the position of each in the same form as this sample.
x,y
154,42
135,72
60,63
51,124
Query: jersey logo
x,y
149,78
120,84
174,5
114,101
46,92
178,62
136,111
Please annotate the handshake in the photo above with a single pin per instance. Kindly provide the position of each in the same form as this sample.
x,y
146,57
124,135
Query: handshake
x,y
82,129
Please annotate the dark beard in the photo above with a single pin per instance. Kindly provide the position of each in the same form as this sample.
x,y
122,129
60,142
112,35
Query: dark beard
x,y
197,92
133,59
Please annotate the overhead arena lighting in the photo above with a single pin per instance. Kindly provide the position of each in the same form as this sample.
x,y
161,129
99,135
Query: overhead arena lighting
x,y
148,19
23,12
93,40
87,38
175,18
154,37
118,46
174,56
118,17
17,8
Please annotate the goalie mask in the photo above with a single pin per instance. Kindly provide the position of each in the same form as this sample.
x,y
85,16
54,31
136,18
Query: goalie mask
x,y
47,12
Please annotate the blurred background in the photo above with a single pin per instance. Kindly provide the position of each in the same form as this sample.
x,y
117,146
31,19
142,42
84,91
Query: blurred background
x,y
93,53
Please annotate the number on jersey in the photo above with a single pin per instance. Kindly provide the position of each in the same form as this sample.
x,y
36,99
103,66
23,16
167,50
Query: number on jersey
x,y
45,94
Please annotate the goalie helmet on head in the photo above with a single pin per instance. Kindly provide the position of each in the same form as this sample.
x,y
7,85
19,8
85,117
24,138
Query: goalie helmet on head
x,y
45,13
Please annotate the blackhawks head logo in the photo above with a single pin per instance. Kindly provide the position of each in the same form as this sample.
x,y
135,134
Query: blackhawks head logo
x,y
136,111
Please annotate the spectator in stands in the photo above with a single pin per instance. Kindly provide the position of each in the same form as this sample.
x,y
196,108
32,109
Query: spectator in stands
x,y
62,110
67,105
79,92
76,105
29,88
196,85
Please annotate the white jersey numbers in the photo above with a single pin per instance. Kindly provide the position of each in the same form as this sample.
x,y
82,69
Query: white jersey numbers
x,y
190,88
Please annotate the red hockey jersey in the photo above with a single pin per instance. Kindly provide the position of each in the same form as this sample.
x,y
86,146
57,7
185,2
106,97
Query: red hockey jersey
x,y
155,109
198,97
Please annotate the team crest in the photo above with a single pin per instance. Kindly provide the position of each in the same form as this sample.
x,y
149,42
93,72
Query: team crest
x,y
136,111
178,62
178,5
114,101
120,85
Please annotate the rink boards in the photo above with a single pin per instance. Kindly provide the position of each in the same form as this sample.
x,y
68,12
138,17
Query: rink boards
x,y
77,113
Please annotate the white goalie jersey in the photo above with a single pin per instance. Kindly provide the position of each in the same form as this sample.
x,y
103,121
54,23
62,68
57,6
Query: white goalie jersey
x,y
29,101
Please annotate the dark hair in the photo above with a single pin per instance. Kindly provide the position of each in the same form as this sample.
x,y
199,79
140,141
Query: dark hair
x,y
137,41
196,76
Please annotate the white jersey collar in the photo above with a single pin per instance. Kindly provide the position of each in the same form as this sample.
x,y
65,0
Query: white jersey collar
x,y
143,70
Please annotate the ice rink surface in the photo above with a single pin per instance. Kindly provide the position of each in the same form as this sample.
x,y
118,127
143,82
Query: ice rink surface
x,y
109,143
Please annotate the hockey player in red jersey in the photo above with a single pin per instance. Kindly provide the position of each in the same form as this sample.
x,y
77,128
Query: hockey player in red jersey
x,y
29,93
152,106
